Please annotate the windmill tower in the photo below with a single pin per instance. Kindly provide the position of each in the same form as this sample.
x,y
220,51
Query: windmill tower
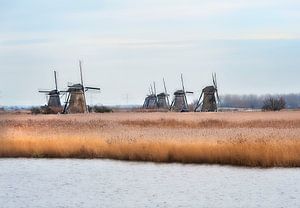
x,y
163,101
179,102
210,97
151,99
53,104
76,99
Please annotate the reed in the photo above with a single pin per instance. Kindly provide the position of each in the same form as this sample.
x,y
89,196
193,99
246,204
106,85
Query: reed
x,y
239,142
239,153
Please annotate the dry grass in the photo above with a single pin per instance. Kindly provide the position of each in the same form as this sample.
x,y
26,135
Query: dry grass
x,y
241,139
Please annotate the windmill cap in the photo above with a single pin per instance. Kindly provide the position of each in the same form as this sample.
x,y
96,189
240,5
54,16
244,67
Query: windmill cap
x,y
151,96
209,89
53,92
179,92
75,87
162,94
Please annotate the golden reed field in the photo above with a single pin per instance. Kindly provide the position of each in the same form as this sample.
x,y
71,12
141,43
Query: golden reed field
x,y
255,139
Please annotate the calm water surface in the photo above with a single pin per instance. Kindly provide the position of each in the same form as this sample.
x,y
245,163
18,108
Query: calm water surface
x,y
107,183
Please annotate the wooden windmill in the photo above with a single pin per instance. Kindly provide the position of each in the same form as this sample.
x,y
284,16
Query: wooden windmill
x,y
179,102
210,97
53,103
163,101
151,99
76,99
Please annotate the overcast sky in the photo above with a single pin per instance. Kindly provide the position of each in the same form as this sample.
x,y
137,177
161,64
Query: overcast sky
x,y
253,46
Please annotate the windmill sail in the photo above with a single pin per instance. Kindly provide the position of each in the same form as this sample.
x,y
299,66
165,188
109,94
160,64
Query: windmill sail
x,y
209,97
179,102
151,99
163,98
166,92
53,103
76,98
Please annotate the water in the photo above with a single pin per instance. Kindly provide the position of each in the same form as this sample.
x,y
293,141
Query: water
x,y
107,183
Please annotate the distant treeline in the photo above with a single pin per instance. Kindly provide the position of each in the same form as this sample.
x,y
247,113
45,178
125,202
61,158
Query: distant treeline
x,y
257,101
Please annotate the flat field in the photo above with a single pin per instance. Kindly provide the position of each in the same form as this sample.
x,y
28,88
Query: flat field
x,y
256,139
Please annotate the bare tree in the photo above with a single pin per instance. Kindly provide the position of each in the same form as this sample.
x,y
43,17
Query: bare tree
x,y
274,104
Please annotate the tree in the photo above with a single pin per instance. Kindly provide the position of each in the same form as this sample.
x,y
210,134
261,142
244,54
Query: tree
x,y
274,104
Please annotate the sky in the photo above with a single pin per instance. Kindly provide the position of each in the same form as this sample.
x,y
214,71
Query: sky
x,y
125,45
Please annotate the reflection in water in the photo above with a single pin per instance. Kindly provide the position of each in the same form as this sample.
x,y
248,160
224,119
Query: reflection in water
x,y
107,183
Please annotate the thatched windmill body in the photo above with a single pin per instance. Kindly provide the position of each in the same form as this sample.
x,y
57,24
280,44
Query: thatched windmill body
x,y
151,99
163,101
209,98
150,102
179,102
53,103
76,99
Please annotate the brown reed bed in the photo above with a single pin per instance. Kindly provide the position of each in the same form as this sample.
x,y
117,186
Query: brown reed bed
x,y
238,141
238,153
213,123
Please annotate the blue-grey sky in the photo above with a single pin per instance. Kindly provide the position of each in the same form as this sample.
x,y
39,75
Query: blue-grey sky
x,y
253,46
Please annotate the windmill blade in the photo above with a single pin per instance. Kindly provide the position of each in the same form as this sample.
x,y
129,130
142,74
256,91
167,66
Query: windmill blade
x,y
81,77
66,103
172,104
44,91
55,80
216,87
218,98
165,86
199,102
189,92
93,88
199,105
215,80
168,100
182,83
73,87
82,85
184,92
154,87
151,89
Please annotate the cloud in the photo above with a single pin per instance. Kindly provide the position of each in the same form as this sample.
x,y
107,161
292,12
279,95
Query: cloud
x,y
160,12
21,41
178,10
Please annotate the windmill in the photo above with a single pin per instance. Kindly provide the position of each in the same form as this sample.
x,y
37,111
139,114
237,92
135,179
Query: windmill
x,y
151,99
76,99
210,97
179,102
163,101
53,103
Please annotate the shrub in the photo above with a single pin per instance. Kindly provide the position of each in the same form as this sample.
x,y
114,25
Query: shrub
x,y
36,110
100,109
274,104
